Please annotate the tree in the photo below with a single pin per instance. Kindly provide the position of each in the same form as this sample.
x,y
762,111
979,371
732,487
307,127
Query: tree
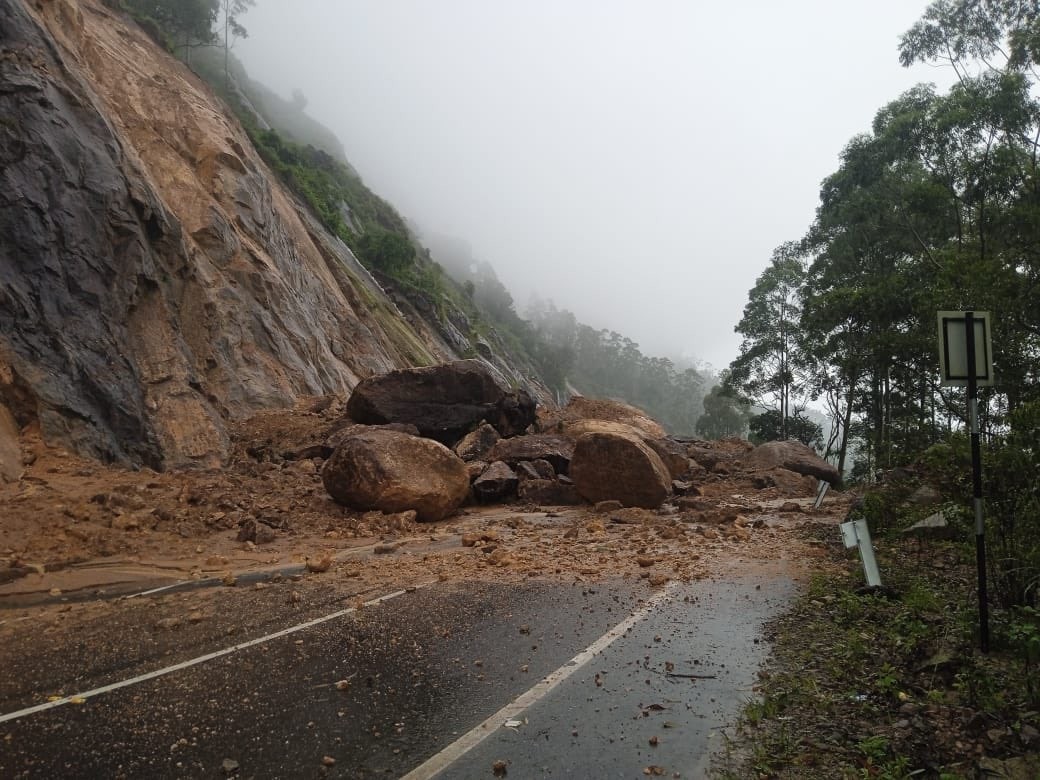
x,y
767,369
766,427
388,252
725,413
188,23
230,11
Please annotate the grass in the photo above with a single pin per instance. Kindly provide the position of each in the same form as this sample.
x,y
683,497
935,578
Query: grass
x,y
864,685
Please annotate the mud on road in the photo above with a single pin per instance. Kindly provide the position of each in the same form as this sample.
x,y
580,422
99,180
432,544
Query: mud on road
x,y
111,574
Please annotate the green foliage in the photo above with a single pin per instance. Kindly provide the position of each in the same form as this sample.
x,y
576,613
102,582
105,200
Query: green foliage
x,y
767,427
174,24
768,367
391,253
937,206
725,414
877,686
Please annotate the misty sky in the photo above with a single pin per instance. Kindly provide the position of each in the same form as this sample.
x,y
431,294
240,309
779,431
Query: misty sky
x,y
635,161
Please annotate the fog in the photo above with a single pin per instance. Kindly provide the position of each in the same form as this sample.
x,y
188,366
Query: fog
x,y
634,161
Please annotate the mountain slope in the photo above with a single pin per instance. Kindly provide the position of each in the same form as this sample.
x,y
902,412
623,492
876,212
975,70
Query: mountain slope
x,y
157,281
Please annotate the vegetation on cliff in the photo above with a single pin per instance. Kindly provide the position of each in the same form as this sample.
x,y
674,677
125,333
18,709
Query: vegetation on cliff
x,y
310,160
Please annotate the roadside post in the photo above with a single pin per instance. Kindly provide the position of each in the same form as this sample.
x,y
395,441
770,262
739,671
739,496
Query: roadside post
x,y
856,533
966,360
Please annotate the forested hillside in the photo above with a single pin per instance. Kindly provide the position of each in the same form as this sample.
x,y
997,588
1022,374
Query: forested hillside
x,y
935,207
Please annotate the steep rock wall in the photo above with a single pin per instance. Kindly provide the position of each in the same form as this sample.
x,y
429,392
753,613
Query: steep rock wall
x,y
154,281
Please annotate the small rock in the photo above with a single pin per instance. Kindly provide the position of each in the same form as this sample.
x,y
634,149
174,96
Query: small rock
x,y
383,549
498,769
328,761
229,766
318,565
657,580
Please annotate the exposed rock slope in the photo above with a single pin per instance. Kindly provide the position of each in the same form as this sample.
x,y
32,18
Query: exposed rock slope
x,y
156,281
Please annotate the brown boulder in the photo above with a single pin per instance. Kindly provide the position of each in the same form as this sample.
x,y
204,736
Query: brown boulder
x,y
580,408
615,466
791,455
445,402
542,446
575,429
476,444
673,455
497,482
475,468
703,456
392,472
345,429
788,482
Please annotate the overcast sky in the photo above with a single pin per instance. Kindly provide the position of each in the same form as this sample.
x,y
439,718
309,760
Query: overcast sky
x,y
636,161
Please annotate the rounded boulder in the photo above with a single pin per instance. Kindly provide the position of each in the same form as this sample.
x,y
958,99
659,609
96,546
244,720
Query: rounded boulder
x,y
613,466
393,472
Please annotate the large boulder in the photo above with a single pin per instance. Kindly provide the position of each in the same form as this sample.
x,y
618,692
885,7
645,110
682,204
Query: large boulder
x,y
445,402
791,455
789,483
580,408
497,482
575,429
392,472
673,455
608,466
540,446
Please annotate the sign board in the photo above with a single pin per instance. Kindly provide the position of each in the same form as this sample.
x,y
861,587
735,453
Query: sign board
x,y
953,349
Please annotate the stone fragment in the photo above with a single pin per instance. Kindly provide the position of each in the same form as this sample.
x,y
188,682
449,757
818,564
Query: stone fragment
x,y
555,449
475,445
547,492
498,482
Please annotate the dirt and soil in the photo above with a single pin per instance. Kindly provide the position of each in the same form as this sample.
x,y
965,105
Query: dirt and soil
x,y
73,526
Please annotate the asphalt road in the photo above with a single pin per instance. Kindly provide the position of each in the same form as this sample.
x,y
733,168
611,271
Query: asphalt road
x,y
433,675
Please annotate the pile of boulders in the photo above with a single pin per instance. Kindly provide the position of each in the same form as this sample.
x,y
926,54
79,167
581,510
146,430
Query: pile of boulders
x,y
431,439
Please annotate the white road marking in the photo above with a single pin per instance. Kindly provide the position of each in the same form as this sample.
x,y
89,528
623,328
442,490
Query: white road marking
x,y
79,698
453,752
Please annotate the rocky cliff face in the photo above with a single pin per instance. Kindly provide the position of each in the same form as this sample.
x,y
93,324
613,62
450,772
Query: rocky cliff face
x,y
155,282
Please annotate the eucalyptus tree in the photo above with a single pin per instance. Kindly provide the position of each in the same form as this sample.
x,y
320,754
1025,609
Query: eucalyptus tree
x,y
725,412
230,13
768,369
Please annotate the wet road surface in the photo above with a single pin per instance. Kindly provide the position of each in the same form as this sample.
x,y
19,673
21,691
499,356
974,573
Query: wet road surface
x,y
423,672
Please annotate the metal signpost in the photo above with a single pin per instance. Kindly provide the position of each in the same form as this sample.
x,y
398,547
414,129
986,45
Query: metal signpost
x,y
966,360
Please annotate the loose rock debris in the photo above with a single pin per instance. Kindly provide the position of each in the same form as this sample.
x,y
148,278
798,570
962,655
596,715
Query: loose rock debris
x,y
67,525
